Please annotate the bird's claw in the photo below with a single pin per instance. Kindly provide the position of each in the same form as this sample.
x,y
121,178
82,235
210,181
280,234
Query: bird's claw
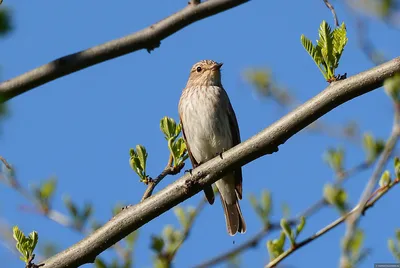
x,y
189,170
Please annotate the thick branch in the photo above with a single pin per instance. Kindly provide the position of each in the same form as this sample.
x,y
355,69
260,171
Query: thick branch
x,y
265,142
148,38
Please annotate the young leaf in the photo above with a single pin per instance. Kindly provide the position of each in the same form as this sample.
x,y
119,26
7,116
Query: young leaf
x,y
181,215
142,156
314,52
157,243
288,232
397,166
300,226
325,43
169,128
25,245
385,179
339,42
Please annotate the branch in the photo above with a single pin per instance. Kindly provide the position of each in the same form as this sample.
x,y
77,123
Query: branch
x,y
187,229
380,166
255,239
148,38
168,170
265,142
332,9
332,225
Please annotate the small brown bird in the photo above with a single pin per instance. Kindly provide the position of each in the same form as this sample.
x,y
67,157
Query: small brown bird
x,y
210,127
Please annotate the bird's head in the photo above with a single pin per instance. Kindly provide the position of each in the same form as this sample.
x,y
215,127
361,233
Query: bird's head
x,y
205,73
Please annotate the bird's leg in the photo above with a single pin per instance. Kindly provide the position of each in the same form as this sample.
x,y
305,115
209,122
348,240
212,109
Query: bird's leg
x,y
220,154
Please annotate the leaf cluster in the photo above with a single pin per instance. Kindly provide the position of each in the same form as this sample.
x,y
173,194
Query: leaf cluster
x,y
25,244
328,50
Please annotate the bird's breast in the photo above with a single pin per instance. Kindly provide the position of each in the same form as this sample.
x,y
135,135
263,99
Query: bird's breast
x,y
205,121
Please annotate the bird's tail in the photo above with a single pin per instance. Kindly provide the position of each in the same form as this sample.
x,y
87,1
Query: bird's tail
x,y
233,217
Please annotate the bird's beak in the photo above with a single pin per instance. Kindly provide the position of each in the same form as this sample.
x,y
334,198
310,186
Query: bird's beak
x,y
217,66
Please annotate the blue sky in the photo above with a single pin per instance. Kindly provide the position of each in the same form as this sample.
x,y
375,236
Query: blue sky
x,y
80,127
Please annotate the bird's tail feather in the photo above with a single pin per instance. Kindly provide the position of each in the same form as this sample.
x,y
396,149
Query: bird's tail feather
x,y
233,217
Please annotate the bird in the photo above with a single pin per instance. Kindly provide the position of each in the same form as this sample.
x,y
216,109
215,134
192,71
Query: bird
x,y
210,127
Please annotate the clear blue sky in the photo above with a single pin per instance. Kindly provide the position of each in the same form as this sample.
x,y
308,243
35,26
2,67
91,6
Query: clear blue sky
x,y
80,127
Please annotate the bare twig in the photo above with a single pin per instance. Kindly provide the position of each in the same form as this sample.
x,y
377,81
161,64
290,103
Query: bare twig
x,y
332,9
250,243
6,164
148,38
255,239
52,214
168,170
380,166
265,142
330,226
187,229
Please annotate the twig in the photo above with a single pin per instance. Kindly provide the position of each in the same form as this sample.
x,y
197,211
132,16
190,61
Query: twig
x,y
148,38
52,214
383,159
255,239
335,18
187,229
5,163
168,170
251,243
265,142
329,227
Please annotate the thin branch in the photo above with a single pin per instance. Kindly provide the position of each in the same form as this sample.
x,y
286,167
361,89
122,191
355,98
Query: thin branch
x,y
251,243
168,170
6,164
332,9
148,38
187,228
380,166
311,210
265,142
330,226
52,214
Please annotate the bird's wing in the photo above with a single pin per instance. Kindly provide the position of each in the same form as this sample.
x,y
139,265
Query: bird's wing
x,y
235,140
208,190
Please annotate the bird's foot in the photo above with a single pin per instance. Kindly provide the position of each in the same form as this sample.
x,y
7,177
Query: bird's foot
x,y
189,170
220,154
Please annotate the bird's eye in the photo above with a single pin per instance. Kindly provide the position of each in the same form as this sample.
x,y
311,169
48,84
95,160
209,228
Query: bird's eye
x,y
198,69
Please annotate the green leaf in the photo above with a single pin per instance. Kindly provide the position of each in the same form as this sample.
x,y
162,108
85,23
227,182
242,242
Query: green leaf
x,y
275,247
397,166
335,158
300,226
70,206
5,21
181,216
157,243
339,42
288,231
385,179
335,196
25,245
99,263
137,161
392,87
372,147
142,156
33,238
314,52
325,43
267,203
48,187
169,128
